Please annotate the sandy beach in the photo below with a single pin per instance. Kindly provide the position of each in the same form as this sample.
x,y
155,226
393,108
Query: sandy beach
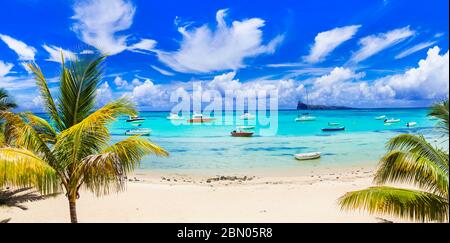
x,y
183,198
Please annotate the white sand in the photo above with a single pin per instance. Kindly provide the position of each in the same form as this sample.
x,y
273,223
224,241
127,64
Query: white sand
x,y
307,198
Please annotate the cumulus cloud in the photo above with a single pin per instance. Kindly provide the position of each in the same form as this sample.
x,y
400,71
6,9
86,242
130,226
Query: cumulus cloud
x,y
25,52
430,80
55,54
123,84
415,49
374,44
326,42
5,68
104,94
224,48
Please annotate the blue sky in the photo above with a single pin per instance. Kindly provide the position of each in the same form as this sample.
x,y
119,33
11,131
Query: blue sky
x,y
380,53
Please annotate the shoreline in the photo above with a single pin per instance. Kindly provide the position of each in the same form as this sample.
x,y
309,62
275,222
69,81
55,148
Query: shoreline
x,y
191,198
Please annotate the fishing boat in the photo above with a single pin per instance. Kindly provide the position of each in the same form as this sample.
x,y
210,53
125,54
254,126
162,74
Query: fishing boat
x,y
390,121
139,131
135,119
411,124
198,118
333,124
333,129
247,116
307,156
380,118
305,118
174,117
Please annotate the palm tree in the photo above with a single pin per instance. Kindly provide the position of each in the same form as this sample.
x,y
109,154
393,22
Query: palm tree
x,y
5,104
412,160
73,150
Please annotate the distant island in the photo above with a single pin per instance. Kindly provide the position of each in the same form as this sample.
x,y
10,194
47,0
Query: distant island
x,y
303,106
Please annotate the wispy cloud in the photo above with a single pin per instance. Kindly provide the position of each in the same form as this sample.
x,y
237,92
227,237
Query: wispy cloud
x,y
415,49
55,54
327,41
5,68
205,50
374,44
25,52
98,23
162,71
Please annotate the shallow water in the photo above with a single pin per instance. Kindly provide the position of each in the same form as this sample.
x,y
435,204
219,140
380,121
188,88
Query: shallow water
x,y
209,147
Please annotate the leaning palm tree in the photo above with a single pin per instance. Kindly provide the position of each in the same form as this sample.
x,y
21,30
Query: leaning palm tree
x,y
72,150
410,160
6,104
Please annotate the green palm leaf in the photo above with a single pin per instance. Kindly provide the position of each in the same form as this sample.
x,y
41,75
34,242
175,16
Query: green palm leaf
x,y
23,168
78,89
46,95
403,203
441,112
42,127
5,101
409,168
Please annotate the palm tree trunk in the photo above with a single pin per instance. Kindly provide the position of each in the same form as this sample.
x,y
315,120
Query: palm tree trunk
x,y
73,210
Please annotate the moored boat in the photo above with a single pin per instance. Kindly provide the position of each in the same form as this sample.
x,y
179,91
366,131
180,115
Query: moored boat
x,y
305,118
333,129
380,118
392,121
411,124
139,131
247,116
241,134
308,156
174,117
135,119
198,118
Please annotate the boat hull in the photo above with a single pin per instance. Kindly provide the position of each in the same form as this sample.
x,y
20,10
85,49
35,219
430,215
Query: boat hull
x,y
242,134
309,156
333,129
201,120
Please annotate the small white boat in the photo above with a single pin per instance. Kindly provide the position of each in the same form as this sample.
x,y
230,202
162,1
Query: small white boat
x,y
247,116
390,121
305,118
380,118
174,117
136,120
308,156
139,131
411,124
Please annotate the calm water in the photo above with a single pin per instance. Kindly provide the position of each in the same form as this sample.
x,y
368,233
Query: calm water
x,y
210,147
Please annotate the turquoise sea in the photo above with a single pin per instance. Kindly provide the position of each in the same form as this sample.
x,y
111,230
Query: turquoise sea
x,y
210,148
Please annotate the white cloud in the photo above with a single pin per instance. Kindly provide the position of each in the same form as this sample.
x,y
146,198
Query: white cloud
x,y
430,80
5,68
373,44
415,49
162,71
55,54
150,95
99,21
25,52
87,52
123,84
326,42
224,48
104,94
143,45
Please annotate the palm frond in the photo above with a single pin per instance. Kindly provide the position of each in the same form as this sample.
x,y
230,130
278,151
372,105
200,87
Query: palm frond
x,y
50,105
419,145
409,168
42,127
441,112
20,134
406,204
6,103
23,168
91,134
78,89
